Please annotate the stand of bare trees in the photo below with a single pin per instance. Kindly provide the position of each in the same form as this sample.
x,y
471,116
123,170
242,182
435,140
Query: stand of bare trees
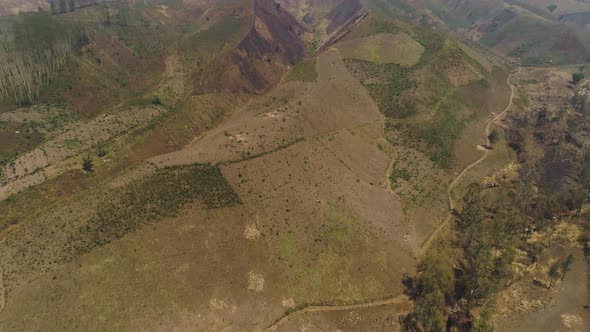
x,y
24,70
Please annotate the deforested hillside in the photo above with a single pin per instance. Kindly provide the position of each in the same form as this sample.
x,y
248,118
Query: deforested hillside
x,y
260,165
274,43
328,21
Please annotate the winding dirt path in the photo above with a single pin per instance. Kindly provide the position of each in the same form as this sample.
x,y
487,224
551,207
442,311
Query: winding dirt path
x,y
427,242
324,308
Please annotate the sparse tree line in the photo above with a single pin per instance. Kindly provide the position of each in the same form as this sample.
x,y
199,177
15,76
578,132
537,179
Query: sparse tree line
x,y
22,74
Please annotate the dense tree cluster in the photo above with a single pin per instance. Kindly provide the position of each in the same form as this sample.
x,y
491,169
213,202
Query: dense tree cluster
x,y
456,285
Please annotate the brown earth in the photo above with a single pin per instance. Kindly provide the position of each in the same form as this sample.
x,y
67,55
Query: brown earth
x,y
273,44
295,186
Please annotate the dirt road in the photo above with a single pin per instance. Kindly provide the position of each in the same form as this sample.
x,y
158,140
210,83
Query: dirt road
x,y
427,242
396,300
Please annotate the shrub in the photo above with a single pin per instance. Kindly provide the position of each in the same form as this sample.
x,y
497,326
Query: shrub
x,y
493,136
101,152
87,165
577,77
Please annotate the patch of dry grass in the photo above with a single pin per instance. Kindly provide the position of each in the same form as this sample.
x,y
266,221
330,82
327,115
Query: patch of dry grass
x,y
396,48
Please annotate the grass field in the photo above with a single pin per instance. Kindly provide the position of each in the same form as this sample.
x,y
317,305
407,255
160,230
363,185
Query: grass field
x,y
398,48
303,72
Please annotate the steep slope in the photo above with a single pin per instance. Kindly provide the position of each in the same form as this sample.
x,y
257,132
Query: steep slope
x,y
273,44
328,20
529,33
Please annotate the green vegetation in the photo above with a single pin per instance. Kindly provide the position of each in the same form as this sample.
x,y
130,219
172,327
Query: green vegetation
x,y
101,152
71,144
399,48
487,251
424,110
431,290
553,273
156,101
566,265
321,267
493,136
38,31
150,200
552,8
386,83
519,51
207,42
303,71
491,227
87,165
577,77
313,45
442,132
144,101
400,173
522,100
19,137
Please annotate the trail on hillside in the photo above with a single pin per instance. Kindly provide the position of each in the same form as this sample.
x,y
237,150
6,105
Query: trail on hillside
x,y
458,178
427,242
324,308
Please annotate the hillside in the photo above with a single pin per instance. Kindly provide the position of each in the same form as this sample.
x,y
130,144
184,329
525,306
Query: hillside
x,y
254,165
531,32
273,44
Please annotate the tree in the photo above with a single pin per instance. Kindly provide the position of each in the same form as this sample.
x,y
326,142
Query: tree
x,y
566,265
101,152
485,321
577,77
433,286
493,136
87,165
478,272
469,223
72,5
552,8
429,313
553,273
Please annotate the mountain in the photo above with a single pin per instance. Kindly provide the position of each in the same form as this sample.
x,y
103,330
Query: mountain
x,y
274,43
250,165
525,30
